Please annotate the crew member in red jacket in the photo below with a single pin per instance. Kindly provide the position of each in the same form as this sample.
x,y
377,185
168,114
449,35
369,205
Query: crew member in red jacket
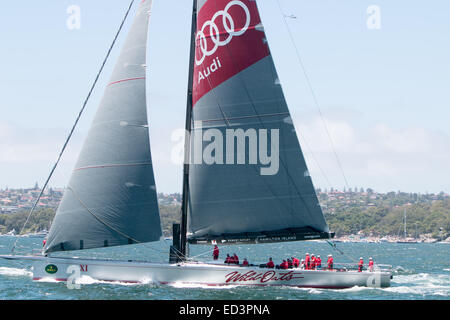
x,y
295,262
270,264
290,264
307,261
318,262
216,252
330,262
370,265
245,262
360,264
228,259
284,265
235,259
312,263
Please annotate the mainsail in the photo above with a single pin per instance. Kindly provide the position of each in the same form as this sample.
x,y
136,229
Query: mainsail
x,y
236,87
111,197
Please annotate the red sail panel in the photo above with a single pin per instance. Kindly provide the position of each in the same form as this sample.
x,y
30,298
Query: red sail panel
x,y
229,39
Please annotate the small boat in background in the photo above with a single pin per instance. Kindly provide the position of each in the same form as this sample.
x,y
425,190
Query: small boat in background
x,y
11,233
39,234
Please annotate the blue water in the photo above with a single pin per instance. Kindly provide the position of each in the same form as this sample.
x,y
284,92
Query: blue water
x,y
421,271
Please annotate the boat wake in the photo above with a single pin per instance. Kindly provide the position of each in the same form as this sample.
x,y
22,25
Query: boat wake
x,y
424,284
86,280
399,270
200,286
14,272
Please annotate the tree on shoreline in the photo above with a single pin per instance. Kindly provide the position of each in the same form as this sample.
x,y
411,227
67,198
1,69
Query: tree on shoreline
x,y
369,213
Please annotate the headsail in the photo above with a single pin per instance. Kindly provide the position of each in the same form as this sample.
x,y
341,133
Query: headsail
x,y
111,197
236,87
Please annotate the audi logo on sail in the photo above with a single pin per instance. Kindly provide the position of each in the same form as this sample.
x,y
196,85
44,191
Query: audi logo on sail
x,y
214,32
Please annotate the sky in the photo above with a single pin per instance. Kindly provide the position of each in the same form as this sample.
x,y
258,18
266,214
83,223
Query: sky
x,y
381,78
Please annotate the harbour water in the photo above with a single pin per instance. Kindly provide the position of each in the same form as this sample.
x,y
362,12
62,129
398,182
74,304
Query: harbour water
x,y
421,272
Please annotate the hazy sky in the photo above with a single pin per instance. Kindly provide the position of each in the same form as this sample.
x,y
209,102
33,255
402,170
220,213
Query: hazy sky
x,y
382,86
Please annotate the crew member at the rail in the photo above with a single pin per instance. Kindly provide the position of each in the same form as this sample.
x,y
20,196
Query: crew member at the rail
x,y
330,262
228,259
284,265
216,252
270,264
295,262
370,265
312,263
235,259
44,242
318,262
245,262
307,261
290,264
360,264
302,264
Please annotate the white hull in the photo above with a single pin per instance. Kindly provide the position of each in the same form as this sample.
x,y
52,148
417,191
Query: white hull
x,y
64,269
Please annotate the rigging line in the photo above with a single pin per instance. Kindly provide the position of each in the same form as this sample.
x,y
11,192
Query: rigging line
x,y
313,94
179,254
276,77
76,121
333,245
201,254
315,160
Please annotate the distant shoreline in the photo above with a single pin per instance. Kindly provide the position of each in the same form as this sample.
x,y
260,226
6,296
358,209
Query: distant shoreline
x,y
387,239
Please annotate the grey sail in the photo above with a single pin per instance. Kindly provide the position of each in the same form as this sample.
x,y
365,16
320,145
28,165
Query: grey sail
x,y
111,198
234,198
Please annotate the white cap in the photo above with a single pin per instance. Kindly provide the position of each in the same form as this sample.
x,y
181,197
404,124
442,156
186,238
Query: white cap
x,y
360,258
370,258
329,255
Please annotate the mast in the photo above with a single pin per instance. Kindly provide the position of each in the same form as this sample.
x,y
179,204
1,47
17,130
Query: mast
x,y
187,143
404,225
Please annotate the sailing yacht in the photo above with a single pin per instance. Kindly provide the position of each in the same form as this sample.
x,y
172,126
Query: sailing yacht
x,y
405,238
111,197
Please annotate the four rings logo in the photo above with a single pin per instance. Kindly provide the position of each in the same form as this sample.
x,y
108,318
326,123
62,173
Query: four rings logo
x,y
214,32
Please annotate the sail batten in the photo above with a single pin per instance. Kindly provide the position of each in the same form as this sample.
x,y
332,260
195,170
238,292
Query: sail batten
x,y
236,87
111,197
